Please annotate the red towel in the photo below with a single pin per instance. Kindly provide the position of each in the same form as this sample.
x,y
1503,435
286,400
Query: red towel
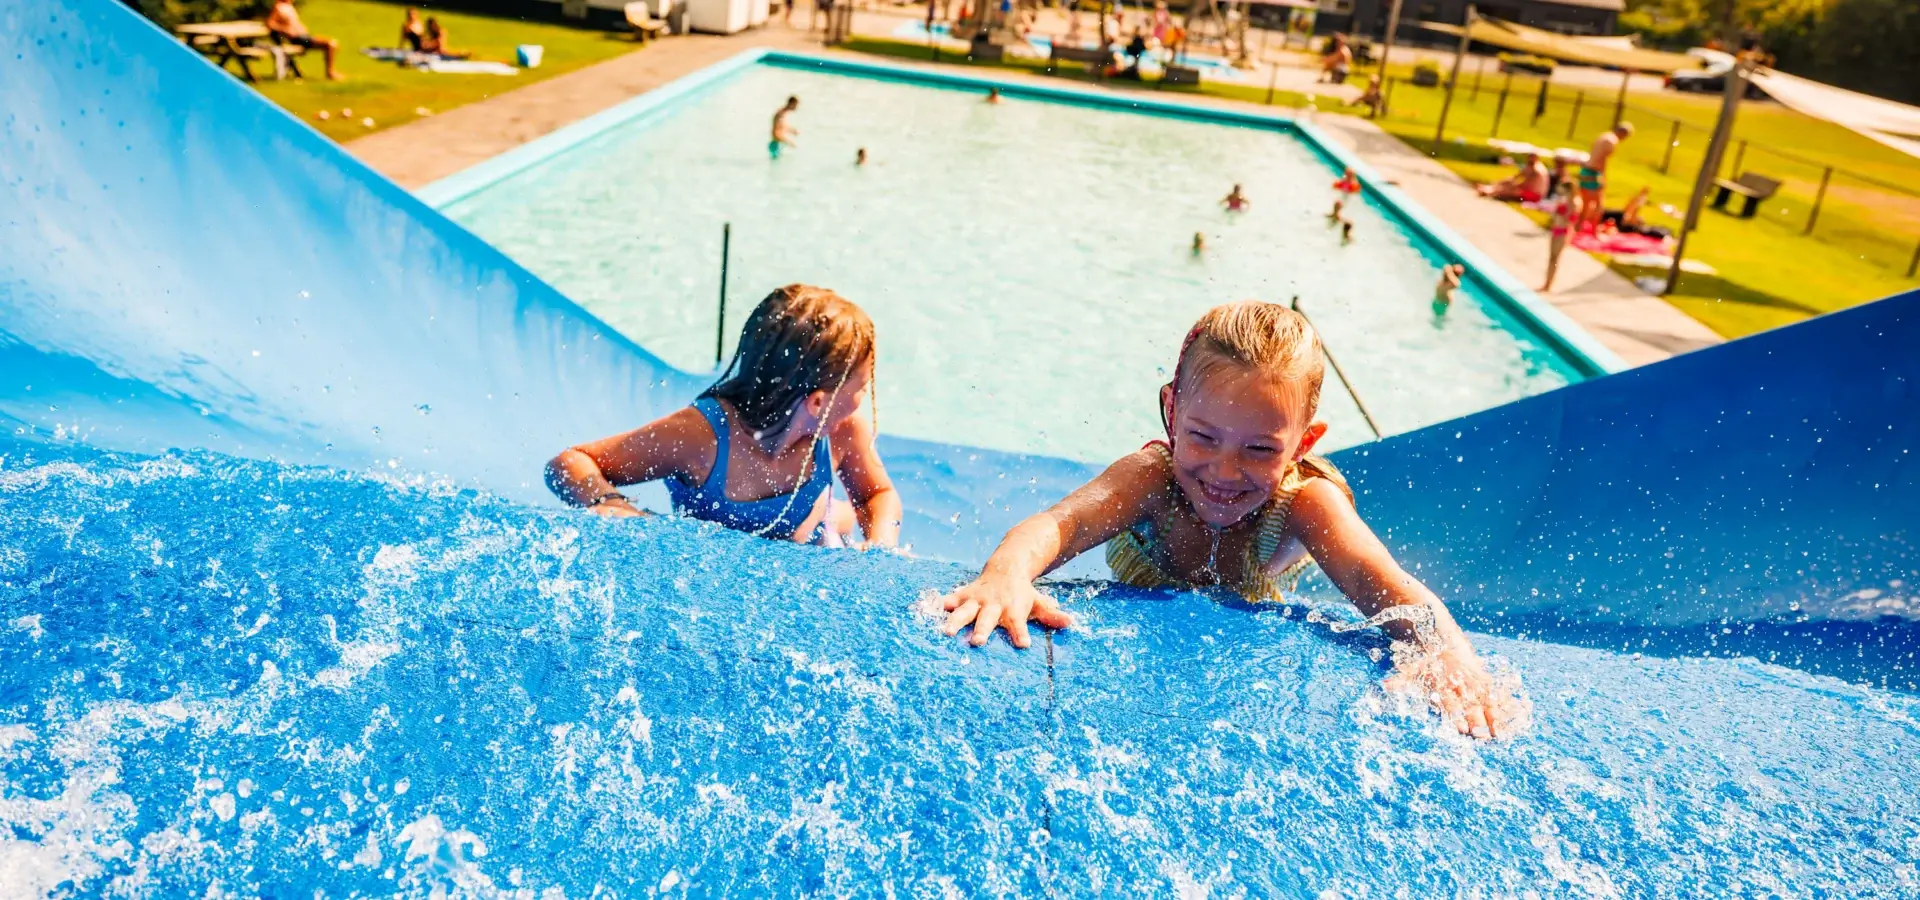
x,y
1617,242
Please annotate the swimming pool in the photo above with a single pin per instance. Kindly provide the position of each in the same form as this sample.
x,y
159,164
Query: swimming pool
x,y
1028,264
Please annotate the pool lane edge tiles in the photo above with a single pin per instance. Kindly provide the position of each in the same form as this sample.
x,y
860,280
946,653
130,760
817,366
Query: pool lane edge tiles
x,y
1580,350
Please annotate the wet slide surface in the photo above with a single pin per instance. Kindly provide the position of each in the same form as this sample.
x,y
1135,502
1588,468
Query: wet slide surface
x,y
272,680
336,644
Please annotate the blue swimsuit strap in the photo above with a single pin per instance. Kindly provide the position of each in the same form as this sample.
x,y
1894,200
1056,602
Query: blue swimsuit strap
x,y
714,493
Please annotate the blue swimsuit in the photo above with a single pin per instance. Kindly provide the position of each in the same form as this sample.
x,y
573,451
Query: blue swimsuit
x,y
777,516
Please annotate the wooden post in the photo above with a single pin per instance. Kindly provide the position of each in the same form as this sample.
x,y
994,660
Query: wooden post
x,y
1673,140
1386,51
1573,121
1818,199
1709,165
720,335
1453,81
1620,102
1500,108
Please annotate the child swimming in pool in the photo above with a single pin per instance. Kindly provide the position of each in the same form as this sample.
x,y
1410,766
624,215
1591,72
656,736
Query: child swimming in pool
x,y
758,450
1232,498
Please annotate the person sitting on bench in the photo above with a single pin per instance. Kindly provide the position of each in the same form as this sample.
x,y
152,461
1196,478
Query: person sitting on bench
x,y
284,22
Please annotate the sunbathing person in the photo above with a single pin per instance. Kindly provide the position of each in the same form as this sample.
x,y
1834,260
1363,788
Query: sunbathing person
x,y
1627,219
413,35
435,41
284,22
1527,185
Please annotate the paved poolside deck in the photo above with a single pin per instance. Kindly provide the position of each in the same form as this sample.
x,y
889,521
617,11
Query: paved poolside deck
x,y
1639,327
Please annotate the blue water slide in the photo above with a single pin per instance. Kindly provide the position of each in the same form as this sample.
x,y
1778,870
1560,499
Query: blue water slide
x,y
285,608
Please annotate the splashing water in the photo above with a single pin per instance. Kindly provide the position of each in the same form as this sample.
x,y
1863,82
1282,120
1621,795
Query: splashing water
x,y
234,677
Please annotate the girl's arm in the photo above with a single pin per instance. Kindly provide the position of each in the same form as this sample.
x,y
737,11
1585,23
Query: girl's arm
x,y
1004,596
1357,563
584,475
874,500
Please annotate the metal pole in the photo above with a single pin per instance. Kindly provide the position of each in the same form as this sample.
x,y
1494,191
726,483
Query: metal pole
x,y
1620,102
1709,165
1273,76
1739,156
1478,74
1818,199
1386,95
1500,108
1466,35
1573,121
1540,105
1913,265
1386,51
1342,375
1673,140
720,334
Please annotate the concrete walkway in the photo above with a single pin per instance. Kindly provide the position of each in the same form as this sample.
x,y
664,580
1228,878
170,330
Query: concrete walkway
x,y
1639,327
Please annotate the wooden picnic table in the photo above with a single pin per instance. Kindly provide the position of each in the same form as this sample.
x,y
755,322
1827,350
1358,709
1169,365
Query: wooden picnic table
x,y
238,41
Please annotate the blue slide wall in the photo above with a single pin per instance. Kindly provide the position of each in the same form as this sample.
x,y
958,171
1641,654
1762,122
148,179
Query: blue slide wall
x,y
183,265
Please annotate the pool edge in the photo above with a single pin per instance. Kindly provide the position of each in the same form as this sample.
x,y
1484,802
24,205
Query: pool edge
x,y
1582,352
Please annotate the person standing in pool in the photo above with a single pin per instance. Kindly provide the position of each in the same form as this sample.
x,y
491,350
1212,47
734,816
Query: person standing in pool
x,y
783,130
759,450
1236,201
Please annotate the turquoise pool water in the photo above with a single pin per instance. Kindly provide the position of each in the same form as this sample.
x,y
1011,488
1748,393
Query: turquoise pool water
x,y
1027,263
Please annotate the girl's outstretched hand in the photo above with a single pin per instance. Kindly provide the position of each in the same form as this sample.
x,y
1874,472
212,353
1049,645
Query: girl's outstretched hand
x,y
987,605
1456,682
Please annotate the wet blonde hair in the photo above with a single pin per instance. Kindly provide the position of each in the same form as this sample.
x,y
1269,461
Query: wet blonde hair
x,y
800,339
1270,339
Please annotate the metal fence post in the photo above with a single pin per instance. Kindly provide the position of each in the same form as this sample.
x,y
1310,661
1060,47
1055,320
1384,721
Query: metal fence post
x,y
1501,107
1386,97
1573,121
1673,140
1913,265
1540,105
1482,70
720,334
1739,156
1271,79
1819,198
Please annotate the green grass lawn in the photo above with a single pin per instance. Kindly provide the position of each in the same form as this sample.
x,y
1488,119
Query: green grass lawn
x,y
391,95
1769,273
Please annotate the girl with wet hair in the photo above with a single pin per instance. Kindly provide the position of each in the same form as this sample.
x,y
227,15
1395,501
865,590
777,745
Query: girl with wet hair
x,y
1233,498
758,451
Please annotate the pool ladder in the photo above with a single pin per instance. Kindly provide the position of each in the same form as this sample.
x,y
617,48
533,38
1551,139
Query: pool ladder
x,y
1340,373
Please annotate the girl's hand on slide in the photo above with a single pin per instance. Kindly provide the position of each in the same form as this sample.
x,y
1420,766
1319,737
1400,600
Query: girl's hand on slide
x,y
988,606
1456,682
616,508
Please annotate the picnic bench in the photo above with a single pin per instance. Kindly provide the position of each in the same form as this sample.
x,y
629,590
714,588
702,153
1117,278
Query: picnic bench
x,y
1084,55
1753,187
640,19
240,42
1176,74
